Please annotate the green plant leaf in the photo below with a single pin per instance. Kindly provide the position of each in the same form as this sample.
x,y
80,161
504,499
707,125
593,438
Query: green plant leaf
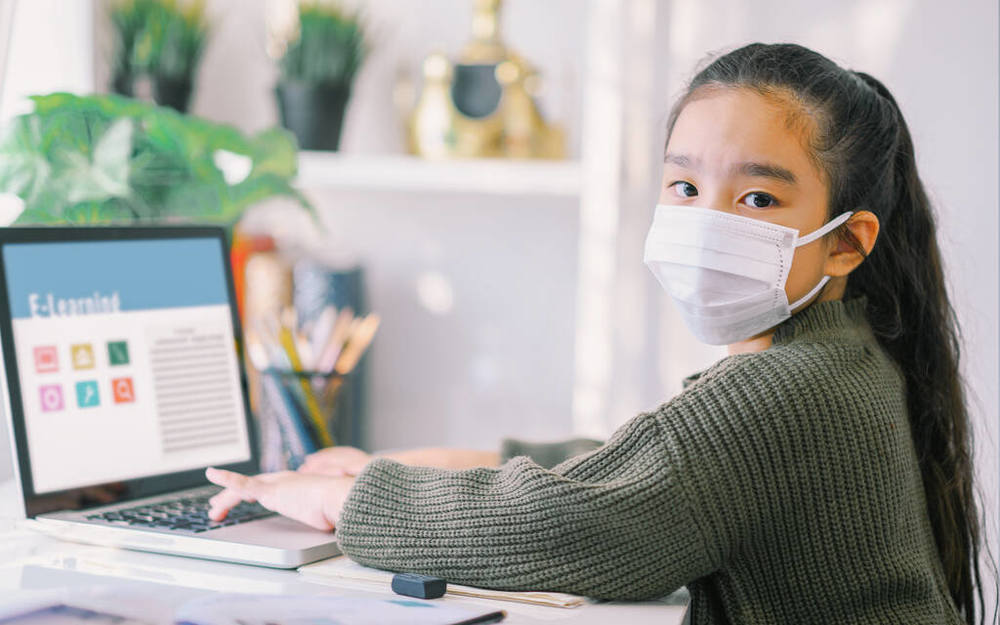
x,y
329,48
102,159
273,152
24,167
106,175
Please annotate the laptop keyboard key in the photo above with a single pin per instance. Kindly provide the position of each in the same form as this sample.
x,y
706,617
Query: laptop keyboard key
x,y
186,514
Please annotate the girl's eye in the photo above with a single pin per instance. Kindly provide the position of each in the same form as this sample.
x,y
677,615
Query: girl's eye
x,y
684,189
760,200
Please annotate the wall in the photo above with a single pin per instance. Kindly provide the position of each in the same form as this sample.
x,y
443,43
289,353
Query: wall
x,y
53,62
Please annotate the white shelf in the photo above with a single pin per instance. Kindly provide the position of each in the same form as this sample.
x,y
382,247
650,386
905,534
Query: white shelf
x,y
334,170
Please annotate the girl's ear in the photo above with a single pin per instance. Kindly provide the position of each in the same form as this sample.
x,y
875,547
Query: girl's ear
x,y
844,255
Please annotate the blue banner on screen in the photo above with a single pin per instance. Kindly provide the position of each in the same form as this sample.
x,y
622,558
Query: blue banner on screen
x,y
95,277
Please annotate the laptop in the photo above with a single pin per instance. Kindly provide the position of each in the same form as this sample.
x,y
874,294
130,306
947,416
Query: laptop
x,y
124,381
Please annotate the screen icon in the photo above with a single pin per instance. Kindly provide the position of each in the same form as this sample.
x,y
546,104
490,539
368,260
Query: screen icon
x,y
121,388
83,356
52,397
46,359
86,394
118,352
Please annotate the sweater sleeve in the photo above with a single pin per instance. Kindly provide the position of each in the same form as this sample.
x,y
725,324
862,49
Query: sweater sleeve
x,y
546,455
613,523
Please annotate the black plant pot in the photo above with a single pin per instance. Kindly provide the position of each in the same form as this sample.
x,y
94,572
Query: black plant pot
x,y
174,92
313,112
122,84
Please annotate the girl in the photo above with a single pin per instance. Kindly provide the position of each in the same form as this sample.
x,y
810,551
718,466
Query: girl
x,y
820,473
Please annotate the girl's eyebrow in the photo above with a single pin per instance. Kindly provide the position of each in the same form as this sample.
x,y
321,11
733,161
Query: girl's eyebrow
x,y
748,168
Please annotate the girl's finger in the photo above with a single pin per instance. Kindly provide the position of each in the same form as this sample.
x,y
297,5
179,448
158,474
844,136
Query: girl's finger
x,y
237,488
226,479
220,504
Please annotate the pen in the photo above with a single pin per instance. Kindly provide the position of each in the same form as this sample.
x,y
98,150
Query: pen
x,y
312,406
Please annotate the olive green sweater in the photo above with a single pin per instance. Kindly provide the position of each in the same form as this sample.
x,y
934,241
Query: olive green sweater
x,y
780,486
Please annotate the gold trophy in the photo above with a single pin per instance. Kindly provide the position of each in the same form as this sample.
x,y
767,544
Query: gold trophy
x,y
484,104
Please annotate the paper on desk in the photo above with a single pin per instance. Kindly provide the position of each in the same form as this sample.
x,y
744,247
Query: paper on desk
x,y
242,609
100,604
343,568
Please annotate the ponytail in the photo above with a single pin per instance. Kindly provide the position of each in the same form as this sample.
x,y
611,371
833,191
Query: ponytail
x,y
909,310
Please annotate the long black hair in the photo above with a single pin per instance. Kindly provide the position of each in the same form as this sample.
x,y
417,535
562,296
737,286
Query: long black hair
x,y
863,145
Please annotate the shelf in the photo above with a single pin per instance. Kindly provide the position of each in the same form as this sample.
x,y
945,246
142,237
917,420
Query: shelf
x,y
334,170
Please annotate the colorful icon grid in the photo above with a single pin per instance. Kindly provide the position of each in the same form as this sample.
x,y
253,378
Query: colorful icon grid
x,y
87,391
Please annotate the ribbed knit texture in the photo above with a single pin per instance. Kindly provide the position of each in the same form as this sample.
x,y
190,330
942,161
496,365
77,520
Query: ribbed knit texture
x,y
780,486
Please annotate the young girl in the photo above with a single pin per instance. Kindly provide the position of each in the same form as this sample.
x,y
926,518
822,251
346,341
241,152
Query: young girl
x,y
820,473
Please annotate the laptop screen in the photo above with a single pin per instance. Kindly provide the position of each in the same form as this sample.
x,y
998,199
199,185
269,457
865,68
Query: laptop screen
x,y
126,359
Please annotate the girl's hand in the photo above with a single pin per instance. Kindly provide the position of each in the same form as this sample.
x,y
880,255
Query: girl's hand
x,y
315,500
335,461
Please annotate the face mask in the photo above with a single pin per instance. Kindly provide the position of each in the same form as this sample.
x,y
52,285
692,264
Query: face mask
x,y
726,273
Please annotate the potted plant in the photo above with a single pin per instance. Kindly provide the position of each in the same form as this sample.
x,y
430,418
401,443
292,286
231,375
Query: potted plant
x,y
110,159
318,67
128,20
176,37
162,40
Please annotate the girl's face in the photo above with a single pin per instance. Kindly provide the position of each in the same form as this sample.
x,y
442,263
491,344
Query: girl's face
x,y
734,150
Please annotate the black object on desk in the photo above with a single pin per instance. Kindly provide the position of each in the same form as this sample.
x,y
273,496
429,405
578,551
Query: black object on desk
x,y
419,586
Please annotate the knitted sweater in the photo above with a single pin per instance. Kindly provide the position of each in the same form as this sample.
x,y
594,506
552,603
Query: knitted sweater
x,y
780,486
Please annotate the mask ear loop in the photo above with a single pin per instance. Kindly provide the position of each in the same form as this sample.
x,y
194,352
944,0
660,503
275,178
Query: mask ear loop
x,y
808,296
815,234
809,238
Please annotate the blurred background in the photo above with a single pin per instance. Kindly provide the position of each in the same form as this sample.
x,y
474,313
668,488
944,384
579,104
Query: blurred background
x,y
501,245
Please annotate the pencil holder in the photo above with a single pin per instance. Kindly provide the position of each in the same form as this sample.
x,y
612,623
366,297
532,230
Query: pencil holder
x,y
297,414
315,285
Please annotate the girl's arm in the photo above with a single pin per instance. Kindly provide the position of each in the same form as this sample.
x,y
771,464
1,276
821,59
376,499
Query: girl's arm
x,y
613,523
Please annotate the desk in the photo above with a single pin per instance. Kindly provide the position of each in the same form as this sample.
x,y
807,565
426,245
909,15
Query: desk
x,y
31,560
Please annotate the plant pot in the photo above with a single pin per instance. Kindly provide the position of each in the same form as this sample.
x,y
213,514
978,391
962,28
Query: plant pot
x,y
173,91
122,84
314,113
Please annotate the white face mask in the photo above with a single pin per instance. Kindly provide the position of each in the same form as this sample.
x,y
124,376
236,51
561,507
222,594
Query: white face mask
x,y
726,273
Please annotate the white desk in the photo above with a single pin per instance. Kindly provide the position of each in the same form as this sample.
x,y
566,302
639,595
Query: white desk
x,y
32,561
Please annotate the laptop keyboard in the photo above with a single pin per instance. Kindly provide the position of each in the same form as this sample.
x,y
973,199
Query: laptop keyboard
x,y
187,514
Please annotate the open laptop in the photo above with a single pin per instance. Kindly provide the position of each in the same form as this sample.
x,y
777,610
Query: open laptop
x,y
124,380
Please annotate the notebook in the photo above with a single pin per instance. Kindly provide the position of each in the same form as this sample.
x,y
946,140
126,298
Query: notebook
x,y
336,570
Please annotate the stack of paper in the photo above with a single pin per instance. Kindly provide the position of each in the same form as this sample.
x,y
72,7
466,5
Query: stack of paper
x,y
335,570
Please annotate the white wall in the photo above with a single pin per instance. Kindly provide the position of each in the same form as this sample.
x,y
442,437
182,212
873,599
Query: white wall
x,y
492,353
50,50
